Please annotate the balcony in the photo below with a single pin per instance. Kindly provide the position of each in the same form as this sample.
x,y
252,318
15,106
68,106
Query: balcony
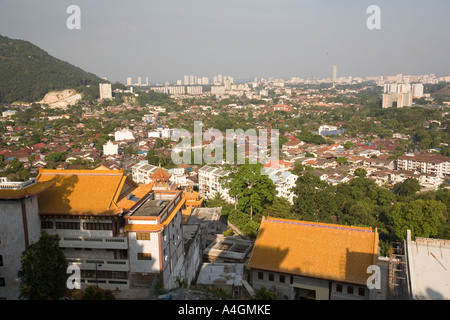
x,y
106,264
94,242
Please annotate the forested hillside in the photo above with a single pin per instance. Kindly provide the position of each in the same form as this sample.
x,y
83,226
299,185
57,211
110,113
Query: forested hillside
x,y
28,72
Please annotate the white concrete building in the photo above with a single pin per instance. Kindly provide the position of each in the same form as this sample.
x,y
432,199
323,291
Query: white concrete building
x,y
118,233
19,227
424,163
124,134
105,91
155,240
210,184
110,148
427,265
285,184
141,172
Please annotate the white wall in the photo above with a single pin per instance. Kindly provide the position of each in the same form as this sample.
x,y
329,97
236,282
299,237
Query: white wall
x,y
12,240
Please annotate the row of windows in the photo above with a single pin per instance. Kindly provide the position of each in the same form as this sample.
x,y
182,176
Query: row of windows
x,y
350,290
339,287
271,277
104,274
69,225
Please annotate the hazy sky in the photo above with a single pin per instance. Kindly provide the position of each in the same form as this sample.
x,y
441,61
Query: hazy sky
x,y
166,39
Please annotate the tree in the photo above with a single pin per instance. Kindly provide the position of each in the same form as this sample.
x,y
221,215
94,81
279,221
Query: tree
x,y
251,188
362,202
55,157
407,188
360,172
43,274
314,199
422,217
341,160
348,145
264,294
298,168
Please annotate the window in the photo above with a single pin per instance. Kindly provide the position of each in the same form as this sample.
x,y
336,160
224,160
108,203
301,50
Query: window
x,y
350,289
67,225
282,278
339,288
260,275
144,256
2,282
46,224
361,292
97,226
143,236
271,277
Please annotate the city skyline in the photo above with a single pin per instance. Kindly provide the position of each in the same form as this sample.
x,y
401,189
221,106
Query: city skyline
x,y
282,39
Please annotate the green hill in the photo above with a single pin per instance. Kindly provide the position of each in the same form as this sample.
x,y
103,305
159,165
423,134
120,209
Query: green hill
x,y
28,72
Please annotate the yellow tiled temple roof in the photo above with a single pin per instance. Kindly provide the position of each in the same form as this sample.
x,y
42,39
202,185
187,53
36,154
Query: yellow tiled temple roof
x,y
318,250
88,192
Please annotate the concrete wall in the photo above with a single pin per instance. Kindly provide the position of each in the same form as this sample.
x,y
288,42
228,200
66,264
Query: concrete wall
x,y
193,252
14,229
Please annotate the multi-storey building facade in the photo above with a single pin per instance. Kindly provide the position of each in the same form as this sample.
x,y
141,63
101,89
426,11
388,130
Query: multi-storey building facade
x,y
117,232
210,185
425,163
19,227
141,172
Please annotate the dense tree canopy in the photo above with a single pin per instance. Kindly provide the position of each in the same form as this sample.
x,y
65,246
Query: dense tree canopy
x,y
251,188
28,72
43,274
422,217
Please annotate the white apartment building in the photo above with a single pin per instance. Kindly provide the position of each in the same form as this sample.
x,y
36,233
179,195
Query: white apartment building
x,y
425,163
105,91
417,90
209,183
141,172
397,92
218,89
194,90
285,184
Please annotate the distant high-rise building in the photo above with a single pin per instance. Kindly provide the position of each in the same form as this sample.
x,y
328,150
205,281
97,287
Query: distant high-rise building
x,y
105,91
417,90
400,93
139,81
129,81
146,81
220,78
186,79
334,73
